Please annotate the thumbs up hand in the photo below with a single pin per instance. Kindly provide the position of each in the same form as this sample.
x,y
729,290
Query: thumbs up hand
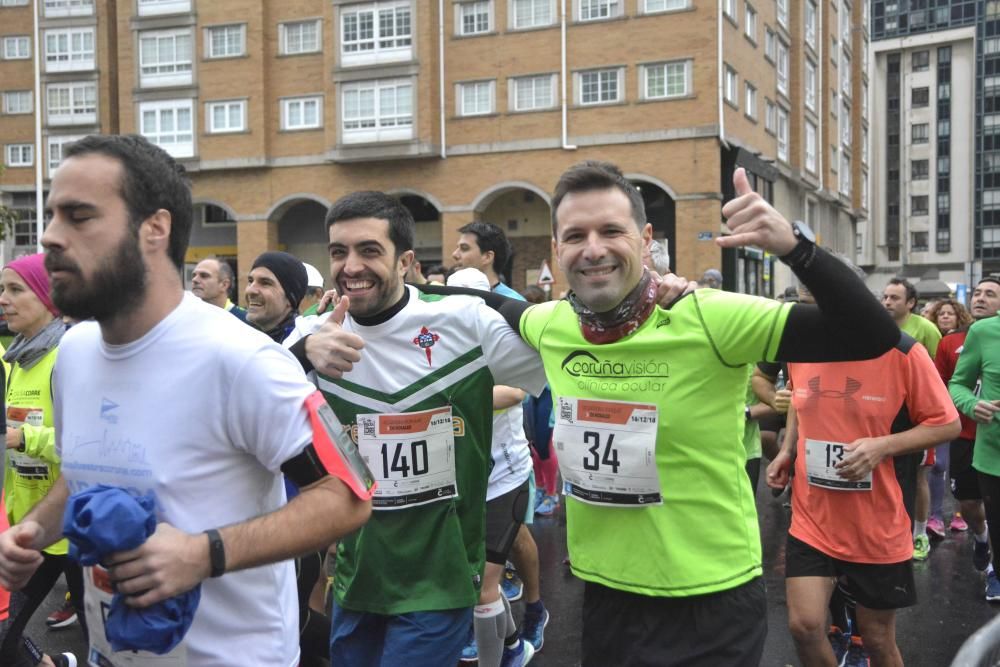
x,y
754,222
331,350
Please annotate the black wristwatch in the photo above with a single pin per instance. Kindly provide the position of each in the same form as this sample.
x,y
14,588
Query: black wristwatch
x,y
804,251
216,553
746,412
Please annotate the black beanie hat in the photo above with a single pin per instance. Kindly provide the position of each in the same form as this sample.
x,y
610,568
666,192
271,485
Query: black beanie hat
x,y
290,273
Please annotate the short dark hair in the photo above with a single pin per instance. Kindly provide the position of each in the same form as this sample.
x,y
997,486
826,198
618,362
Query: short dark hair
x,y
151,180
490,237
911,291
373,204
993,278
597,175
434,268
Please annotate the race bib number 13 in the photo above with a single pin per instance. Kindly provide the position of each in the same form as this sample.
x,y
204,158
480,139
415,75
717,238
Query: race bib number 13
x,y
607,451
411,454
821,460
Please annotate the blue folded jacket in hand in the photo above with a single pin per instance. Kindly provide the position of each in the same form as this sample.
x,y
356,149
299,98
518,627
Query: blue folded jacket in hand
x,y
103,520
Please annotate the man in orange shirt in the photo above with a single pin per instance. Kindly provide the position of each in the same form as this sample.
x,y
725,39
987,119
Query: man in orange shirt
x,y
848,518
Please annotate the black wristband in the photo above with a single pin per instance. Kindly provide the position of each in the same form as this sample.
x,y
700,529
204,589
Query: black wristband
x,y
801,255
216,553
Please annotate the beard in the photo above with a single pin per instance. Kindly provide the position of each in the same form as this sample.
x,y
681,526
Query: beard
x,y
386,295
116,288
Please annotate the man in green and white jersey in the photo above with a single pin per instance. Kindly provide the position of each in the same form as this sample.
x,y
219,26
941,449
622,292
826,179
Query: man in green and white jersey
x,y
419,403
649,407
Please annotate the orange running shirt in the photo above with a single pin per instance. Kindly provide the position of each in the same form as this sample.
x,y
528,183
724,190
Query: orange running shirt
x,y
843,402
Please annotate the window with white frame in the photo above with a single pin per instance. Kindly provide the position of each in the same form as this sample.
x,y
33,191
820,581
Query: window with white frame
x,y
476,98
530,93
596,10
653,6
770,44
770,116
664,80
845,75
226,41
782,134
810,84
71,103
377,111
864,185
13,3
299,37
750,23
864,145
732,82
782,67
834,158
845,174
54,146
61,8
17,47
165,58
69,50
845,25
226,116
159,7
473,18
782,9
864,100
834,103
302,113
17,101
601,86
376,33
729,8
532,13
810,147
20,155
170,125
845,126
810,21
750,99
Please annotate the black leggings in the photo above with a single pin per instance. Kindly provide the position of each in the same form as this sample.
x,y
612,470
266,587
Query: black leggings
x,y
314,626
24,602
989,486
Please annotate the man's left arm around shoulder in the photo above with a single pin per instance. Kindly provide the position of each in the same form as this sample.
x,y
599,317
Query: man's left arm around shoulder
x,y
172,561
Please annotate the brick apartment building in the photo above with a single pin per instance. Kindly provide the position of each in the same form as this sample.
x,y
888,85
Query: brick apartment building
x,y
465,109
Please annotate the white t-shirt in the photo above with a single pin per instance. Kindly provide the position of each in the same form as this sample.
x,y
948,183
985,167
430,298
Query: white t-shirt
x,y
201,411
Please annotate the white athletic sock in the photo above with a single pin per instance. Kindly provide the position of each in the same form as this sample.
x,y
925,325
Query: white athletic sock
x,y
919,528
490,624
510,633
984,537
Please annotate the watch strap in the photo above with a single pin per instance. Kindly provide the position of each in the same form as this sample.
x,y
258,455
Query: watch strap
x,y
216,552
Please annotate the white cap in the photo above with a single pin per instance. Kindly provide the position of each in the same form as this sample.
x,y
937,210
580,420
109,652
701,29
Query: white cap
x,y
470,277
313,277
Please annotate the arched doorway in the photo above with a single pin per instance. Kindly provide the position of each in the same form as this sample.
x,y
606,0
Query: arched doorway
x,y
661,213
523,214
302,232
427,244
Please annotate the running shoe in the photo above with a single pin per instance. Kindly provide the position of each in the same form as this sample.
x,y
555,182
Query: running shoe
x,y
471,652
921,547
539,497
63,617
533,627
519,655
839,642
958,524
547,506
511,585
64,660
856,655
935,527
992,587
980,555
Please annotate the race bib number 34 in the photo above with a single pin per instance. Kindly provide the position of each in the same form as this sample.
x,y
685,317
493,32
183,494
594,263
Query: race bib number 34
x,y
412,455
607,451
822,458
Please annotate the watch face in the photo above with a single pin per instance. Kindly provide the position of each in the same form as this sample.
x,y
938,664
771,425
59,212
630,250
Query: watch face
x,y
803,232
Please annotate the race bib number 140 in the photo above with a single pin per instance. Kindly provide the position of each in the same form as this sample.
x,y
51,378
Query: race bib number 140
x,y
607,451
411,454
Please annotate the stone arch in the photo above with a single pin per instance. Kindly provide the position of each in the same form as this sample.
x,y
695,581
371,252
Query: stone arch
x,y
486,197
